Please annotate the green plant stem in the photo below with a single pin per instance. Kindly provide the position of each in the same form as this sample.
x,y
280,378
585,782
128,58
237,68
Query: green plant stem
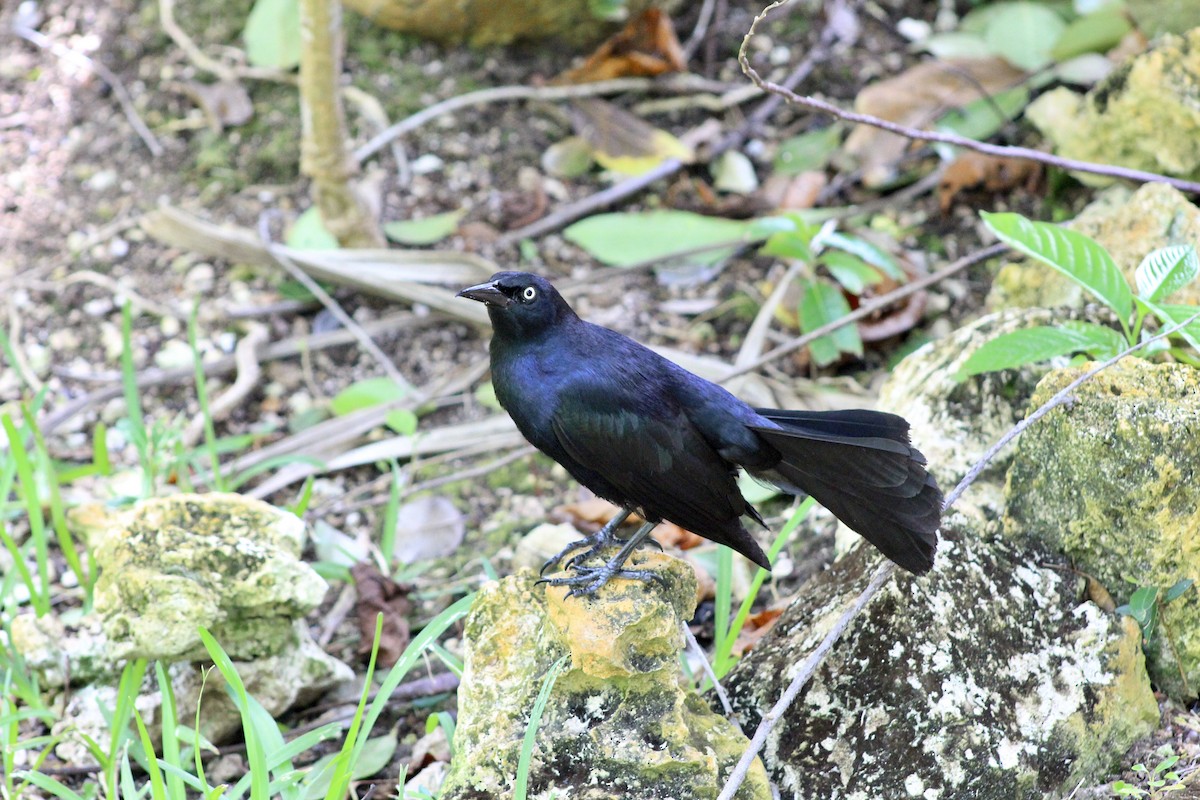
x,y
210,431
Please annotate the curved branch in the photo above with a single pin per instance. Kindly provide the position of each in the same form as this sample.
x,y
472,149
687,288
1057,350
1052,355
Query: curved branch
x,y
1000,151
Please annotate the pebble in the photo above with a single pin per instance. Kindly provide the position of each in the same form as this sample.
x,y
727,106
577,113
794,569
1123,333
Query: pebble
x,y
63,339
173,353
200,279
170,327
103,180
118,248
100,307
423,165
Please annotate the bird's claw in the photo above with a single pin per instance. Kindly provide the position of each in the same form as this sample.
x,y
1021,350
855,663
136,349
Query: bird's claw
x,y
588,580
594,544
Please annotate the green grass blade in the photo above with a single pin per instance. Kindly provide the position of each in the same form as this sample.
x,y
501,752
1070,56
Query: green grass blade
x,y
51,786
158,788
723,657
256,757
170,736
210,431
133,402
525,760
39,592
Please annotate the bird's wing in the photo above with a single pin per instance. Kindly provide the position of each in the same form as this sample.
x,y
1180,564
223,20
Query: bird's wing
x,y
652,454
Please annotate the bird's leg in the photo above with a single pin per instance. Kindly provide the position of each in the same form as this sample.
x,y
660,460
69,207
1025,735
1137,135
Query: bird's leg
x,y
587,580
595,543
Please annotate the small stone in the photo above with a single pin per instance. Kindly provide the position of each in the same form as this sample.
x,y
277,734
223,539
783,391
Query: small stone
x,y
423,165
200,279
118,248
63,339
99,307
103,180
174,354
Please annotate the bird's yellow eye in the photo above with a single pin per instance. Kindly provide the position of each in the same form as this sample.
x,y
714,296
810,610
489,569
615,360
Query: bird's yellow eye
x,y
529,293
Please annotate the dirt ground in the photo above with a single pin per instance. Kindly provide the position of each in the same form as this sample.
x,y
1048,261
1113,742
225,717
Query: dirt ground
x,y
75,179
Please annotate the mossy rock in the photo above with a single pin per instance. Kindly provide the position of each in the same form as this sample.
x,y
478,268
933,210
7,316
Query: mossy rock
x,y
1112,480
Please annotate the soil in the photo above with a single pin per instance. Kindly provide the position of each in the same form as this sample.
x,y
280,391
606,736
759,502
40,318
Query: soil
x,y
75,179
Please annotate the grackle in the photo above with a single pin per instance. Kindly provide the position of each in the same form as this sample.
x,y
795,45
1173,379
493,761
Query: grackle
x,y
650,436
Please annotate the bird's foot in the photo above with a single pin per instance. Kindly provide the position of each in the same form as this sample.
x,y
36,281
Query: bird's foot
x,y
594,544
588,580
605,537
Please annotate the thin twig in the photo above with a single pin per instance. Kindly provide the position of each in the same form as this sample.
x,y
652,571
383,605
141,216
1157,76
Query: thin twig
x,y
701,30
107,75
772,717
507,93
866,309
285,348
722,695
1000,151
769,720
166,15
331,305
249,372
567,214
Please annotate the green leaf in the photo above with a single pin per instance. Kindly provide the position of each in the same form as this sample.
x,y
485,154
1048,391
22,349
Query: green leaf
x,y
402,421
1166,271
1176,591
1077,256
821,304
273,34
791,244
309,232
1171,314
1018,348
981,118
623,239
427,230
867,252
364,394
854,274
1097,32
1141,606
954,44
1098,341
1023,33
808,152
485,395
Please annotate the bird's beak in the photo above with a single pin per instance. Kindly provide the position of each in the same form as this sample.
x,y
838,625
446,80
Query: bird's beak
x,y
486,293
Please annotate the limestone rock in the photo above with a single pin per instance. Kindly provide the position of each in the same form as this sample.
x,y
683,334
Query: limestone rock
x,y
1145,114
1127,226
986,679
224,561
619,722
954,423
300,672
1113,481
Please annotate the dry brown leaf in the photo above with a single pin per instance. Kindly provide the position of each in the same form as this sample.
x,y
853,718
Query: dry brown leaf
x,y
645,47
972,169
757,626
794,192
379,594
224,103
916,98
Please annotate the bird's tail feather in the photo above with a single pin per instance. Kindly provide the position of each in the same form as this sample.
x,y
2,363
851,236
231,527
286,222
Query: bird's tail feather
x,y
860,465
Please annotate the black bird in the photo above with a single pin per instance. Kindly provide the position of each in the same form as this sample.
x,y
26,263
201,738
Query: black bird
x,y
650,436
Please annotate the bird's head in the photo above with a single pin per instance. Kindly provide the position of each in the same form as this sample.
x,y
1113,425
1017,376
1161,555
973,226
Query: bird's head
x,y
520,304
